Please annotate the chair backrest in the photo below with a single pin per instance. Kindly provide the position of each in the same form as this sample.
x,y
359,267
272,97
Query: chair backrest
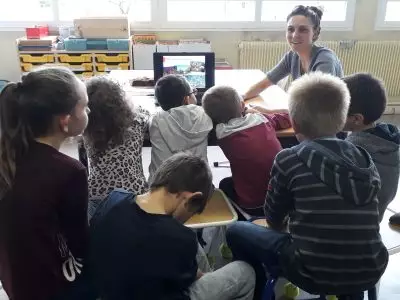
x,y
3,83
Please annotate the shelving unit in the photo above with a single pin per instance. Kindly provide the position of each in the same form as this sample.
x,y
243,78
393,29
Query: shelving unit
x,y
83,63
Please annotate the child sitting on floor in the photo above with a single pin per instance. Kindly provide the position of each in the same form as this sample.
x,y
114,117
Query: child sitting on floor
x,y
113,140
381,140
249,142
328,188
140,248
181,125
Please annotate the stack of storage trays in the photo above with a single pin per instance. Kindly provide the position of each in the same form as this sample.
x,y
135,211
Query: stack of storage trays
x,y
29,61
80,63
106,62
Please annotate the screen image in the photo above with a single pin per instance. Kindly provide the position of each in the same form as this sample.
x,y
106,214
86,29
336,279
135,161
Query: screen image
x,y
191,67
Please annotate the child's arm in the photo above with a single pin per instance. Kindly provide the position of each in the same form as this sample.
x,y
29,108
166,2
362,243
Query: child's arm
x,y
264,110
278,202
144,117
279,118
73,214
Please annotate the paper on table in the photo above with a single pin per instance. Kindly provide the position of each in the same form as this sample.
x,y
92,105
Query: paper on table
x,y
139,91
274,98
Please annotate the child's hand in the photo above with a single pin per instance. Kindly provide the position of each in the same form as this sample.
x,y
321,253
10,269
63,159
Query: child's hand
x,y
249,110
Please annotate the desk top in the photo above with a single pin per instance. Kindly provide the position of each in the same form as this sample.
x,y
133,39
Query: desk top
x,y
218,212
272,98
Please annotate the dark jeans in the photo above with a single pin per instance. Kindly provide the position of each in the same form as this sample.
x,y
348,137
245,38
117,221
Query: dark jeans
x,y
227,186
270,251
260,247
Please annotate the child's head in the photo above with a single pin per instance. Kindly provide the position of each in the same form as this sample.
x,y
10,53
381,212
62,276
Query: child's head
x,y
318,105
188,179
222,103
110,114
174,91
367,100
48,102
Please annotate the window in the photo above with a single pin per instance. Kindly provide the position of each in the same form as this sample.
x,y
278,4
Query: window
x,y
179,14
278,10
338,14
388,17
27,10
211,11
138,10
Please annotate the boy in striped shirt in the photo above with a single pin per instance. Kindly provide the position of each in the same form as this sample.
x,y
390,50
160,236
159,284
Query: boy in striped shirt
x,y
327,190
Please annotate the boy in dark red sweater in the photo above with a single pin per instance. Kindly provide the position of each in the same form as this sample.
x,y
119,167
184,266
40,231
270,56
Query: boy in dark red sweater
x,y
248,139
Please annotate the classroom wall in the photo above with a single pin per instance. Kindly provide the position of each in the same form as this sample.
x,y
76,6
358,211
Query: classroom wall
x,y
225,43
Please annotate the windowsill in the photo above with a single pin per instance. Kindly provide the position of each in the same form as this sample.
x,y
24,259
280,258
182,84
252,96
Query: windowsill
x,y
197,29
388,26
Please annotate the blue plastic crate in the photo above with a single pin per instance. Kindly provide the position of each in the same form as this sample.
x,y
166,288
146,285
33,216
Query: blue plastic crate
x,y
75,44
97,44
118,44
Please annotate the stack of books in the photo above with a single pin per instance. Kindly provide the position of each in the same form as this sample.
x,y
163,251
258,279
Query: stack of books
x,y
46,43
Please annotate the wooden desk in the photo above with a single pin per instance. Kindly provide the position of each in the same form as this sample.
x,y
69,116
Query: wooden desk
x,y
218,212
272,98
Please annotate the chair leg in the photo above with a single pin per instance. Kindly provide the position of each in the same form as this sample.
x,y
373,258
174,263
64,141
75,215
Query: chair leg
x,y
269,290
372,294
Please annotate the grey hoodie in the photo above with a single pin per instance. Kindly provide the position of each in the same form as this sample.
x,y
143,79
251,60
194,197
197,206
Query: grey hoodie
x,y
382,143
183,128
329,189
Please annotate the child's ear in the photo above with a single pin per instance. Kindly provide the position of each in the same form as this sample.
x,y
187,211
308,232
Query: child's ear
x,y
186,100
195,203
63,123
294,125
358,119
243,106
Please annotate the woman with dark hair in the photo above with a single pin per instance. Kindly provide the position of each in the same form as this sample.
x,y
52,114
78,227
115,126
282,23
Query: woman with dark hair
x,y
303,29
113,140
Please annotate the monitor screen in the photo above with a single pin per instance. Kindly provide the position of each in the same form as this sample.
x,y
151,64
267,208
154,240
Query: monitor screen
x,y
197,67
191,67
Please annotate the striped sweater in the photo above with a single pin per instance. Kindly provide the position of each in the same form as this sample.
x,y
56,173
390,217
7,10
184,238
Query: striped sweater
x,y
328,189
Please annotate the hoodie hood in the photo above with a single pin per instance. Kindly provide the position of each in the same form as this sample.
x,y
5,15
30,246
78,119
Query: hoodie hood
x,y
184,127
347,169
238,124
382,142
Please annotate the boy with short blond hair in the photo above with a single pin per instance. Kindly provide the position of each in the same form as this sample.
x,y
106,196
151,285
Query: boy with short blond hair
x,y
327,190
249,142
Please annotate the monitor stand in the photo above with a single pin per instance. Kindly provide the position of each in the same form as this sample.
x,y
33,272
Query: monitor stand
x,y
199,96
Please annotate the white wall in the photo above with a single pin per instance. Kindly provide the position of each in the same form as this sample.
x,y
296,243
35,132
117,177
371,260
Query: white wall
x,y
225,43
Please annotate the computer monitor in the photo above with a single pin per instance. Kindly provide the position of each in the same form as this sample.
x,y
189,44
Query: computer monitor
x,y
197,67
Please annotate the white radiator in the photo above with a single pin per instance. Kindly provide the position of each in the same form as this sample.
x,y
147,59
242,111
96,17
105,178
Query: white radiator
x,y
380,58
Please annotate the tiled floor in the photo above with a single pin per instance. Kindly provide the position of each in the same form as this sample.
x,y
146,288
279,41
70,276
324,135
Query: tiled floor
x,y
389,286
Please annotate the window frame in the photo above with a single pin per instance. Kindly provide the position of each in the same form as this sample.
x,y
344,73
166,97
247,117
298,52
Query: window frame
x,y
380,23
159,21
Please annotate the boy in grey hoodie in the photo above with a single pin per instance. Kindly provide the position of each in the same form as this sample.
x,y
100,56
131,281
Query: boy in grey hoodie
x,y
327,190
181,125
381,140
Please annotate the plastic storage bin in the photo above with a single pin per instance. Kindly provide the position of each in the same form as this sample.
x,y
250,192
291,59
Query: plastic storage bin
x,y
102,67
75,44
97,44
78,67
26,67
37,58
118,44
75,58
36,32
112,58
